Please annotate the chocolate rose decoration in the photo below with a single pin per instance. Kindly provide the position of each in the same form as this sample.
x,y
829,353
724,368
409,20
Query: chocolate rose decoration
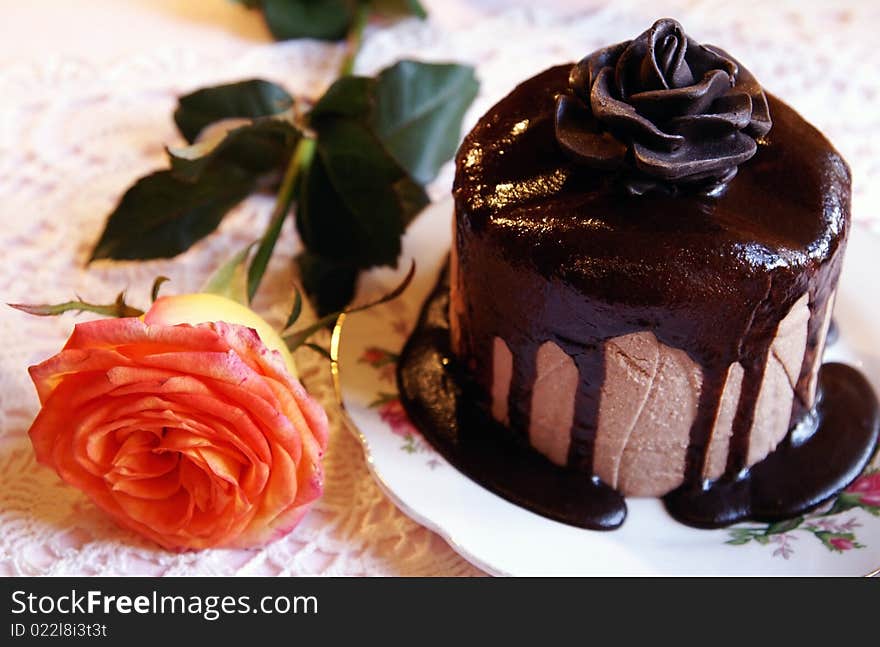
x,y
669,111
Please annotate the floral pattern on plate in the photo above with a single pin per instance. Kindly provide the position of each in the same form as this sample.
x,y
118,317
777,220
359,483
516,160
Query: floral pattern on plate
x,y
836,534
387,404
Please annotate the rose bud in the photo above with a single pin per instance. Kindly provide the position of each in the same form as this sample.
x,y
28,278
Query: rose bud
x,y
192,434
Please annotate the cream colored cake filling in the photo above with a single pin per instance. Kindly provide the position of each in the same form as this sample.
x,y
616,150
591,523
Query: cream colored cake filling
x,y
823,335
773,408
722,430
649,401
502,367
647,406
556,383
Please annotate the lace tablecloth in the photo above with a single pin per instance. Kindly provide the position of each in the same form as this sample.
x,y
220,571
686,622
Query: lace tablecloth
x,y
81,119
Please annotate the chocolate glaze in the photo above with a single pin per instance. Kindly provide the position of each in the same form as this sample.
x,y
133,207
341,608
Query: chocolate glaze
x,y
820,457
816,460
550,250
441,399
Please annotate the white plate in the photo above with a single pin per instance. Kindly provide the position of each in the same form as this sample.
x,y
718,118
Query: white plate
x,y
503,538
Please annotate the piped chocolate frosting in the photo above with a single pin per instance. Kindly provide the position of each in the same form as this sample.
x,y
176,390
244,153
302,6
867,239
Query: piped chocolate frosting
x,y
664,110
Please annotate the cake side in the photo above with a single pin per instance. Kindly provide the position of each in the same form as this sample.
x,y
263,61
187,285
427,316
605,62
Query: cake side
x,y
647,340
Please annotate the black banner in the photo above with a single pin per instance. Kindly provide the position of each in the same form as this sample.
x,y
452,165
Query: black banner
x,y
257,611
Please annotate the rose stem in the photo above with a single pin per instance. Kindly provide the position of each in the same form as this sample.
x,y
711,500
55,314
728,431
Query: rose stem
x,y
354,39
299,161
301,158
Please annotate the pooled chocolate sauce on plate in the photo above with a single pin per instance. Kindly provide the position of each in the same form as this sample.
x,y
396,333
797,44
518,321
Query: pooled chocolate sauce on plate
x,y
816,460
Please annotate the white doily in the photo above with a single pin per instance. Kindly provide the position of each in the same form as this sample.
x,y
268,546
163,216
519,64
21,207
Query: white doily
x,y
74,135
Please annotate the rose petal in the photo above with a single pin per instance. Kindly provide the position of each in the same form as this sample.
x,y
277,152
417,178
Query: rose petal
x,y
584,74
704,58
248,347
664,64
221,464
77,364
693,99
746,83
230,425
278,498
623,118
132,334
165,516
577,134
628,67
145,465
238,419
278,425
734,113
199,485
155,488
695,158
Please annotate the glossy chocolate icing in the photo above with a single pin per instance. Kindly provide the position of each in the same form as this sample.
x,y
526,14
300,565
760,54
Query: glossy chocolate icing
x,y
818,458
669,112
821,456
551,250
443,402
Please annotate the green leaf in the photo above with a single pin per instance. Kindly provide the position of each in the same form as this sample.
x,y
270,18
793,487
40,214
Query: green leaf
x,y
355,200
378,140
161,216
118,308
845,501
738,541
230,279
295,339
409,445
324,20
296,310
783,526
745,532
415,109
319,349
246,99
157,285
260,147
349,96
384,398
411,197
330,285
419,110
399,8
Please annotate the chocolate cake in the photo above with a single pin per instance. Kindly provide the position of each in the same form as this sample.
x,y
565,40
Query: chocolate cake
x,y
646,251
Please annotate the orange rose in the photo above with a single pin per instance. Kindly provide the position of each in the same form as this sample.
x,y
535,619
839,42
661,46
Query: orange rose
x,y
193,435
